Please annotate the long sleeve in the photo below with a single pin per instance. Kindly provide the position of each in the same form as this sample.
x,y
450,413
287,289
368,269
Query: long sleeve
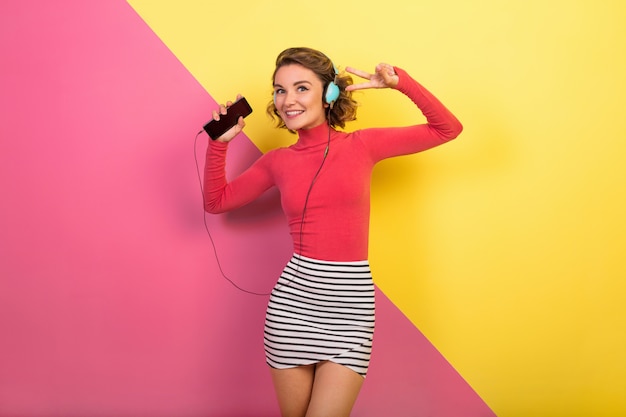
x,y
221,195
441,125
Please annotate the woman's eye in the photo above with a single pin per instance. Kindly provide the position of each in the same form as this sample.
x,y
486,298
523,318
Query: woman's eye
x,y
302,88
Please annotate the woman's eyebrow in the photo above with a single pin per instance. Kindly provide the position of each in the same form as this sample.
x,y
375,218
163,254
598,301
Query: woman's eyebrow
x,y
296,83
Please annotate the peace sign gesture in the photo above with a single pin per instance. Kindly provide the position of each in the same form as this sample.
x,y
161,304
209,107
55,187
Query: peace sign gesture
x,y
383,77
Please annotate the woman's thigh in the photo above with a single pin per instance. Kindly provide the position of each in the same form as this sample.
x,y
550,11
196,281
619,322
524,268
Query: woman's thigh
x,y
335,390
293,389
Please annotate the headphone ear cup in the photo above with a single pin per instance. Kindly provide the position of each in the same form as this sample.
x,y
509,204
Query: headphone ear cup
x,y
332,93
274,98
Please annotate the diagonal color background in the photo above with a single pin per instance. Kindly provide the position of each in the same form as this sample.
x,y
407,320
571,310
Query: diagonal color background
x,y
510,260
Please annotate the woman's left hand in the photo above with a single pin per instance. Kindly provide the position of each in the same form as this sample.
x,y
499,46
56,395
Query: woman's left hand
x,y
383,77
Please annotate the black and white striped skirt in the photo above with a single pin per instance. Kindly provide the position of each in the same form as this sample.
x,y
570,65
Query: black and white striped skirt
x,y
321,311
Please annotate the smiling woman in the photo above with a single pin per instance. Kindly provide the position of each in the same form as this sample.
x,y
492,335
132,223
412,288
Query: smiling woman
x,y
319,321
309,66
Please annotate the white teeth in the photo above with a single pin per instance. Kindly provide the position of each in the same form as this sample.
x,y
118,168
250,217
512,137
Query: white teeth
x,y
293,113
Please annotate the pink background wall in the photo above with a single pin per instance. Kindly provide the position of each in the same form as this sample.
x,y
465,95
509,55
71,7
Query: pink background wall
x,y
111,301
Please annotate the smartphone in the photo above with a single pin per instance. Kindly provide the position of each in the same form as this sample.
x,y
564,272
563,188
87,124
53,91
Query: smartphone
x,y
216,128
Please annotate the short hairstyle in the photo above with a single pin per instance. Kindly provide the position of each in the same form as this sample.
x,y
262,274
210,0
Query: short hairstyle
x,y
343,109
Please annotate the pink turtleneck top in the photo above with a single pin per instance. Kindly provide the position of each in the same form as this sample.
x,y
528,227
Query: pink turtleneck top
x,y
336,219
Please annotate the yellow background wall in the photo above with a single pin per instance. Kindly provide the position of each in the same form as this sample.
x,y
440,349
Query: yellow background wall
x,y
505,247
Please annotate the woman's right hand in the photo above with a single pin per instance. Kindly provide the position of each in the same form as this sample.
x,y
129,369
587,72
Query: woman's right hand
x,y
233,131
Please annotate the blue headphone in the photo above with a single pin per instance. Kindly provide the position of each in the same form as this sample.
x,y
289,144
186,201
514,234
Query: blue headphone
x,y
332,90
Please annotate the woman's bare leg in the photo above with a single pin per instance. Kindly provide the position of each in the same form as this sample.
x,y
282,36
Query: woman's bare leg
x,y
293,388
335,389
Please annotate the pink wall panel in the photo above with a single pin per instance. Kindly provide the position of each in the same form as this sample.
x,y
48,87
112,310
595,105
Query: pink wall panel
x,y
111,301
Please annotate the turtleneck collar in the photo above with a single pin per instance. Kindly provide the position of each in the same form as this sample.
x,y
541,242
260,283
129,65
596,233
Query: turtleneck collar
x,y
314,137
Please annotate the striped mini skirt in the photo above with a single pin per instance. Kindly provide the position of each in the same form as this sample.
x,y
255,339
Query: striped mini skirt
x,y
321,311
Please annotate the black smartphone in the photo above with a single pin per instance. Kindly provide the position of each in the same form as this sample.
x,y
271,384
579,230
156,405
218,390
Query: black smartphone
x,y
216,128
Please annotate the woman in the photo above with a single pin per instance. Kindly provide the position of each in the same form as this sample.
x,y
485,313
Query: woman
x,y
320,317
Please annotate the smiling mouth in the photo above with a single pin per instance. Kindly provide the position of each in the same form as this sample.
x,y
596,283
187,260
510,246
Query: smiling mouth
x,y
293,113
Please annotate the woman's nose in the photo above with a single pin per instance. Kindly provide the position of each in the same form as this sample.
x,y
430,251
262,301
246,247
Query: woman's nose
x,y
290,98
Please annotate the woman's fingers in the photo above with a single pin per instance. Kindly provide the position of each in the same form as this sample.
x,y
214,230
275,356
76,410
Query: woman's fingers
x,y
359,73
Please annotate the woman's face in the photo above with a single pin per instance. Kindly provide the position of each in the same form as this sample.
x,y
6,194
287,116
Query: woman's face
x,y
298,97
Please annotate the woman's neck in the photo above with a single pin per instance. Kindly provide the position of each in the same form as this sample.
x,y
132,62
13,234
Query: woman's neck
x,y
315,136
